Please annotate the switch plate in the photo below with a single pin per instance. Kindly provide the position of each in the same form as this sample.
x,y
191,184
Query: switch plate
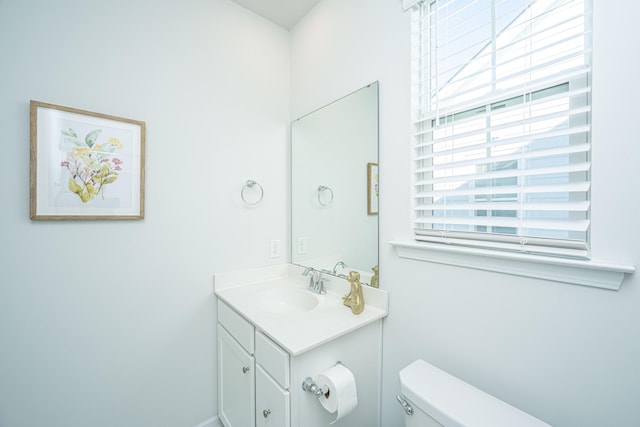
x,y
302,245
274,249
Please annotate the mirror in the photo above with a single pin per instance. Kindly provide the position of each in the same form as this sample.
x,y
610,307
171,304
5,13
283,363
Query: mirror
x,y
334,186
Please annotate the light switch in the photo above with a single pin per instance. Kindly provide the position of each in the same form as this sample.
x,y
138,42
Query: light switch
x,y
302,245
274,249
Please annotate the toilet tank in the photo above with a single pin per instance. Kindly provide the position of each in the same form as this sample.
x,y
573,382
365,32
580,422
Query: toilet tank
x,y
440,399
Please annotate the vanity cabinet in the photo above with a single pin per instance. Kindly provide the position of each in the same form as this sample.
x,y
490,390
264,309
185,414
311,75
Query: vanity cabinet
x,y
274,333
260,383
253,374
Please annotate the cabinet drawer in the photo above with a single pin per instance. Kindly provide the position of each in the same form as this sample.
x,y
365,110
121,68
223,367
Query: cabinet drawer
x,y
273,359
272,402
237,326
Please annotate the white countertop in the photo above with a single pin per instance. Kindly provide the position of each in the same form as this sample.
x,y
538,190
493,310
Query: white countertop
x,y
297,331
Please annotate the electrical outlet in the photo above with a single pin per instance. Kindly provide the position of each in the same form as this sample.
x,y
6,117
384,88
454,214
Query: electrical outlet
x,y
302,245
274,249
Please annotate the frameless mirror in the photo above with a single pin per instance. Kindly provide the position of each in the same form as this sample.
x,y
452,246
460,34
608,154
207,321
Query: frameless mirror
x,y
334,186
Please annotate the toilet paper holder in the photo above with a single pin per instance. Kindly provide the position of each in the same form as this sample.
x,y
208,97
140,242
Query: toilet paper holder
x,y
310,386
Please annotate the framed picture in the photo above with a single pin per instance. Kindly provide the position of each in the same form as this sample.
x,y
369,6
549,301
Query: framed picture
x,y
372,188
85,165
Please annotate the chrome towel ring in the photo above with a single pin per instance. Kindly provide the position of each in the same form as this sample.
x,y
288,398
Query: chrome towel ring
x,y
323,189
248,188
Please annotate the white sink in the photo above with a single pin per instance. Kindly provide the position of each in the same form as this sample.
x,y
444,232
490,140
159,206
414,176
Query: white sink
x,y
287,300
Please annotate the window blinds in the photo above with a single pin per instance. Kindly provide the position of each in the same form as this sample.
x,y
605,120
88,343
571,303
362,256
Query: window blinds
x,y
502,124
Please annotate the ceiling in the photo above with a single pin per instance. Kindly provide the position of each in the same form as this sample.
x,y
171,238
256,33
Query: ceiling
x,y
282,12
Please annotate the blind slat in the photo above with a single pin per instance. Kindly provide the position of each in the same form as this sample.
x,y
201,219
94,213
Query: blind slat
x,y
580,187
552,152
561,225
524,207
512,173
508,141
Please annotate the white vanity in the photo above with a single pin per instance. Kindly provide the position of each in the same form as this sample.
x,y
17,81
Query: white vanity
x,y
273,333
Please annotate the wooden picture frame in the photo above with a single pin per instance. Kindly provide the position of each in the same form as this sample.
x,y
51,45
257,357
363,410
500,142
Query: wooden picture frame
x,y
85,165
372,189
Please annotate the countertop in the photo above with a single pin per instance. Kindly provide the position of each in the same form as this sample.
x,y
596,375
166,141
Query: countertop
x,y
297,331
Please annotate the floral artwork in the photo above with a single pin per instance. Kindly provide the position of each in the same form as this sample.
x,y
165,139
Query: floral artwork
x,y
85,165
91,166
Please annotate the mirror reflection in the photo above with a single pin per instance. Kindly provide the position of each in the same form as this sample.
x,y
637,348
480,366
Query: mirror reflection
x,y
334,186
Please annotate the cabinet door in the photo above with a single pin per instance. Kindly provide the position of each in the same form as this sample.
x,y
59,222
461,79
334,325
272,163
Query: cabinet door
x,y
272,402
236,376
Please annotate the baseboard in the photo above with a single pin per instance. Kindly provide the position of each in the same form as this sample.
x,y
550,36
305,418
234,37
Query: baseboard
x,y
211,422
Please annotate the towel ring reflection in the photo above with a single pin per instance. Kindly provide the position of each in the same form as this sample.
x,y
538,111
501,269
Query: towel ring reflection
x,y
249,185
321,190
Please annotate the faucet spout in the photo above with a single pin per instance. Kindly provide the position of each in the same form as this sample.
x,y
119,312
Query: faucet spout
x,y
316,281
338,264
313,276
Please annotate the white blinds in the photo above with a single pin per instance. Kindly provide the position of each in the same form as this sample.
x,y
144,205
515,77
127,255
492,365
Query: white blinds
x,y
502,124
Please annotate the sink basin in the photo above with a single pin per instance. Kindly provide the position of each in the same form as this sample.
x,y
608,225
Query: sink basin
x,y
287,301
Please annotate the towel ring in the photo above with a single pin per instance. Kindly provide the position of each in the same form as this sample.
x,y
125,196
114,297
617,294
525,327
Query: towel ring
x,y
249,185
321,191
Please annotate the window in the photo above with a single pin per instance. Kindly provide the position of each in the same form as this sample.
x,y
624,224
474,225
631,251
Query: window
x,y
502,124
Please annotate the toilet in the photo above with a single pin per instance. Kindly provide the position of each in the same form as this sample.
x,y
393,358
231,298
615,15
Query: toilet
x,y
431,397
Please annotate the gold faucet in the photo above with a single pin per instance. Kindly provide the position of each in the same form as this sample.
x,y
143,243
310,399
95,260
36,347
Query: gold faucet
x,y
354,298
374,279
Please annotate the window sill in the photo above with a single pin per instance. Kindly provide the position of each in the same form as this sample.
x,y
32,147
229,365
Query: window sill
x,y
598,274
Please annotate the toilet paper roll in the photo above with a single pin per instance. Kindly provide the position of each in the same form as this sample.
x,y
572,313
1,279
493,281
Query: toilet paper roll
x,y
340,394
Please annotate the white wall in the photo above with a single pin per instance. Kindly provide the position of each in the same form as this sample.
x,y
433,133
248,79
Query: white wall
x,y
565,353
112,323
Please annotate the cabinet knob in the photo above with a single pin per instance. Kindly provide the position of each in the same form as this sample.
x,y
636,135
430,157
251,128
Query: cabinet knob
x,y
245,369
266,412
